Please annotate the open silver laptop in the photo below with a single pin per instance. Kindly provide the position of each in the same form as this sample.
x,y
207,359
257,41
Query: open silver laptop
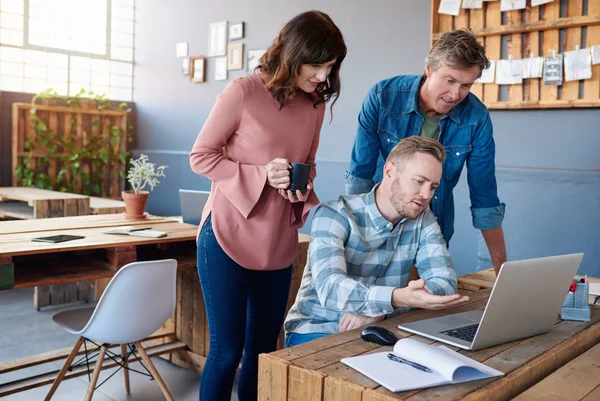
x,y
192,203
525,301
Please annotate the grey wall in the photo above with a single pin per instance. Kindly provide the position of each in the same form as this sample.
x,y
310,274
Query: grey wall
x,y
548,168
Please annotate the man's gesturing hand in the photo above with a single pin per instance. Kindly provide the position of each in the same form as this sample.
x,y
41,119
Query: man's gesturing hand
x,y
415,295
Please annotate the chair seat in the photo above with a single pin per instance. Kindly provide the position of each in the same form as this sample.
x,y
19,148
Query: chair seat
x,y
74,320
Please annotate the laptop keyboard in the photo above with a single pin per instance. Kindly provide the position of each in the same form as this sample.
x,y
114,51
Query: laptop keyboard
x,y
466,333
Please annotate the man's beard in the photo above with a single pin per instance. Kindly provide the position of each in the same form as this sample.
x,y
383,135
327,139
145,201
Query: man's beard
x,y
405,207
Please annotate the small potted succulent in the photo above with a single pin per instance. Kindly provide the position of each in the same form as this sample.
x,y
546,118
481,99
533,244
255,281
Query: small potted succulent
x,y
141,174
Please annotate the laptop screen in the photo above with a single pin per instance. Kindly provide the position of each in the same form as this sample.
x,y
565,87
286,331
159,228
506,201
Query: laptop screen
x,y
192,203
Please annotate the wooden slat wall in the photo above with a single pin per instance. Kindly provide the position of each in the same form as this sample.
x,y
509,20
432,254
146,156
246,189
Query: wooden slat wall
x,y
591,87
493,45
71,122
526,31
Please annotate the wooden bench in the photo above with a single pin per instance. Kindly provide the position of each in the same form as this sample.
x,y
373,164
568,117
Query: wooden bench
x,y
33,203
577,380
106,206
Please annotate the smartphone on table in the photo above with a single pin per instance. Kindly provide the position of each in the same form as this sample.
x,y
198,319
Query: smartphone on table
x,y
57,238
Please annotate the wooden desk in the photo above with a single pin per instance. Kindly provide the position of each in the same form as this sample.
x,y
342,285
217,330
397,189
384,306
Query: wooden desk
x,y
106,206
98,257
313,371
578,380
33,203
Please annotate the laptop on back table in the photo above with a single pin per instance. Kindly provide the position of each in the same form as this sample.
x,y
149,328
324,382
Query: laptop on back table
x,y
192,203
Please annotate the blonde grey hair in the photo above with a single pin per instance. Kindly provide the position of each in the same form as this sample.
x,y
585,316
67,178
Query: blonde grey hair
x,y
407,147
458,49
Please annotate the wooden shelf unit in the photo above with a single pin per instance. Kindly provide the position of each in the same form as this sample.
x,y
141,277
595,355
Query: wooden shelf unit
x,y
34,203
536,31
79,124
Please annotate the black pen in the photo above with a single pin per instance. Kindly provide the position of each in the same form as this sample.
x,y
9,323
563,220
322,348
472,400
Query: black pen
x,y
415,365
139,229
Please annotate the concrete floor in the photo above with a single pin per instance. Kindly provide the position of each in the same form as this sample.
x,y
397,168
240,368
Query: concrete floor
x,y
24,331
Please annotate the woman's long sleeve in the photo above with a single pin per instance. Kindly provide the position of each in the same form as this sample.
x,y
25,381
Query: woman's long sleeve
x,y
242,184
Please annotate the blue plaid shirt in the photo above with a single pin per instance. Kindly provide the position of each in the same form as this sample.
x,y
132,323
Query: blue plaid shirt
x,y
357,258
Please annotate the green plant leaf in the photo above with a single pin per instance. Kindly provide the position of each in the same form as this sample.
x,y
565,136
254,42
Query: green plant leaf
x,y
41,126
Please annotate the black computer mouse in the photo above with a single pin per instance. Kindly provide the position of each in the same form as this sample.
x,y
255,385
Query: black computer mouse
x,y
378,335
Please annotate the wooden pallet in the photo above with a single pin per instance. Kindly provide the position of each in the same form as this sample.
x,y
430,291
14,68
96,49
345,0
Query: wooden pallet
x,y
541,29
106,206
313,371
33,203
79,124
578,380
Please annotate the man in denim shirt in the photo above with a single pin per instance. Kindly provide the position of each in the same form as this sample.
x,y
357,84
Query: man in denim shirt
x,y
437,105
362,248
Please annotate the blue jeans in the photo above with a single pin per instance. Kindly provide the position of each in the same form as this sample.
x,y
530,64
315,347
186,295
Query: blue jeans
x,y
293,339
245,311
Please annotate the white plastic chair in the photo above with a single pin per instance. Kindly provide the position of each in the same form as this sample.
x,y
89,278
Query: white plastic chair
x,y
140,297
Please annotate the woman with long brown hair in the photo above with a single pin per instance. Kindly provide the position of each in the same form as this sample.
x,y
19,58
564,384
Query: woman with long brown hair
x,y
249,229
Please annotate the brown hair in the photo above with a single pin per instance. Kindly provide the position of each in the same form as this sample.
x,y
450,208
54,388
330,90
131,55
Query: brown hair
x,y
407,147
458,49
308,38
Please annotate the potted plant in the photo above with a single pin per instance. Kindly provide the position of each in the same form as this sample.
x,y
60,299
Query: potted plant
x,y
141,173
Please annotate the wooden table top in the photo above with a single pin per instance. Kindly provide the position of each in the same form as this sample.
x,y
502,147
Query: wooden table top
x,y
99,203
75,222
17,235
33,194
313,371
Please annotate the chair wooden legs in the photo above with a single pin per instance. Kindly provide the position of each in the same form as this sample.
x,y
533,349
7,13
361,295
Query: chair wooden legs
x,y
92,387
152,368
125,366
98,368
63,370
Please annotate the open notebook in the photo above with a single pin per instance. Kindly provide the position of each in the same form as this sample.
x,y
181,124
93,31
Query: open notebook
x,y
448,367
136,231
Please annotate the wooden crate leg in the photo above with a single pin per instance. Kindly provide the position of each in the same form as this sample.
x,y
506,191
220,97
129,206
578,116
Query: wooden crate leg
x,y
41,297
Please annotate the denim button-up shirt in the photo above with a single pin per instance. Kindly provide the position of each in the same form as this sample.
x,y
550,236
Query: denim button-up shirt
x,y
390,112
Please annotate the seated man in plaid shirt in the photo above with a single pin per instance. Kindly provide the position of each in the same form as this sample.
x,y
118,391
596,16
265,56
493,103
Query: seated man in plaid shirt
x,y
362,248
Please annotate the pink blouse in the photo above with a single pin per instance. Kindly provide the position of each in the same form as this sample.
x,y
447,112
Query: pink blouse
x,y
245,130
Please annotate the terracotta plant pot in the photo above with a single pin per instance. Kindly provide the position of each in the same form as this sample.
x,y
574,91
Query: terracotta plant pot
x,y
135,204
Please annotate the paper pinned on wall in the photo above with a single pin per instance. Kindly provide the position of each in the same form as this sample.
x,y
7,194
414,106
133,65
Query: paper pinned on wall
x,y
578,65
509,72
533,67
449,7
539,2
181,49
595,50
553,70
472,4
220,68
488,75
508,5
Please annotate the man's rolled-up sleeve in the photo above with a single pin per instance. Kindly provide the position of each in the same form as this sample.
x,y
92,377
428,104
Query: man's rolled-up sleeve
x,y
433,259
